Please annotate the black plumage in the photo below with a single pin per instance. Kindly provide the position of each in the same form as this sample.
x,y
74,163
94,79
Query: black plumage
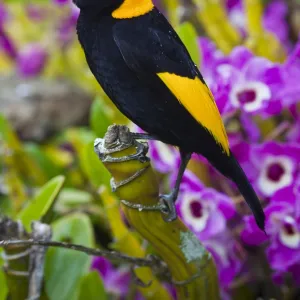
x,y
125,56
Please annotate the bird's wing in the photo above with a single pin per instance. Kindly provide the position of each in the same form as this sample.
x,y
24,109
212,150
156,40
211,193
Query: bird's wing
x,y
149,51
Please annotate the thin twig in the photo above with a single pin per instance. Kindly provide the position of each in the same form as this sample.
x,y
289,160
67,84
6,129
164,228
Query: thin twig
x,y
37,259
151,261
114,255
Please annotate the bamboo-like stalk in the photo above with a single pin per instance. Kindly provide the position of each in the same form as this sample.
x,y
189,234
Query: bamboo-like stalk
x,y
134,181
127,243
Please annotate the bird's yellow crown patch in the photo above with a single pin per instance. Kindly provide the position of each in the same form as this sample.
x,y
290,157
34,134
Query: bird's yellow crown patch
x,y
133,8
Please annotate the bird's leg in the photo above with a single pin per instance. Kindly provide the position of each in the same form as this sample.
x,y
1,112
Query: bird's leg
x,y
141,148
144,136
169,200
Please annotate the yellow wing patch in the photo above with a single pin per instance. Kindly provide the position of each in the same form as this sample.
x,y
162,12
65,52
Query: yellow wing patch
x,y
132,8
196,97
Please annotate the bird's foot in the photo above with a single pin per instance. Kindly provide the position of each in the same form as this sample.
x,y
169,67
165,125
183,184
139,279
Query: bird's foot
x,y
141,207
117,138
166,205
169,209
144,136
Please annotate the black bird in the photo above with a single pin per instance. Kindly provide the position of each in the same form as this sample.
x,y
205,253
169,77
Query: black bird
x,y
145,69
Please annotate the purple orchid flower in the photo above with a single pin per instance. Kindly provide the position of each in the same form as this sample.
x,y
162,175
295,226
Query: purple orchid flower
x,y
283,229
65,28
61,2
204,210
116,281
276,166
251,130
6,43
270,166
293,134
294,270
242,152
242,81
290,89
250,84
164,158
211,59
274,18
254,83
31,60
236,16
227,254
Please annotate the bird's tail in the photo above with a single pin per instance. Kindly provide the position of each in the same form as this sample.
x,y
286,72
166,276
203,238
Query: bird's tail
x,y
233,170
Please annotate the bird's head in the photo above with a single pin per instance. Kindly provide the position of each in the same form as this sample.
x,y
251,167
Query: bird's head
x,y
120,9
97,4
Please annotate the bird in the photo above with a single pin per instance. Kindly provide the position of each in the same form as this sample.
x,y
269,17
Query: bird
x,y
145,69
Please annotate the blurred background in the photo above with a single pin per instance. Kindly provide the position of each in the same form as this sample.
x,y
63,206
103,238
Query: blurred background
x,y
52,109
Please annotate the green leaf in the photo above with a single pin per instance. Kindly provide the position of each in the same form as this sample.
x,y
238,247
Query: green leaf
x,y
42,202
64,267
188,35
20,160
92,287
49,168
93,167
100,117
6,206
90,164
8,135
79,136
73,197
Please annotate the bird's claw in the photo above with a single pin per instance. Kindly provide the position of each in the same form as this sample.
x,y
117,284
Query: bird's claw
x,y
168,207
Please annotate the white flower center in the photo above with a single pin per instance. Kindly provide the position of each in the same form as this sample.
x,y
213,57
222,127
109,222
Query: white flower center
x,y
289,234
276,173
249,95
194,212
